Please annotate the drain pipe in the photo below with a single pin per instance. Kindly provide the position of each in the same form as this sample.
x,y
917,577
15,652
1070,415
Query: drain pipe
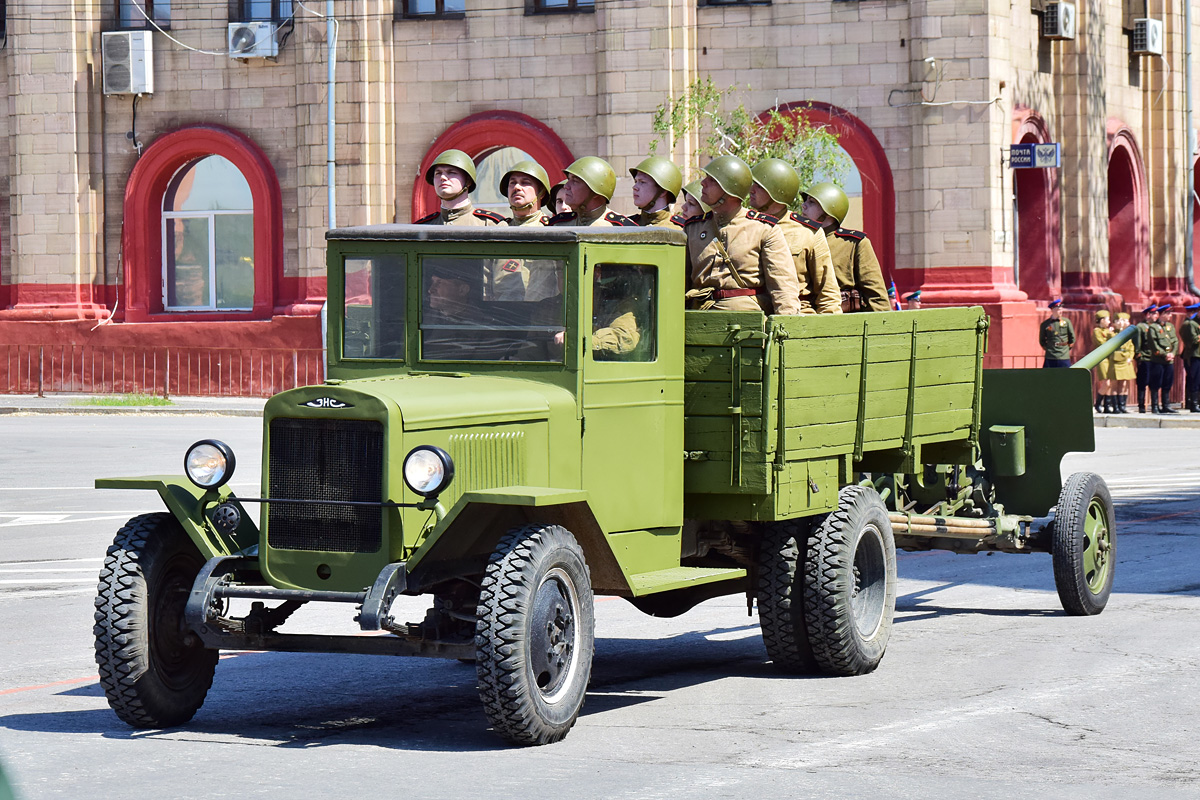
x,y
1189,266
331,31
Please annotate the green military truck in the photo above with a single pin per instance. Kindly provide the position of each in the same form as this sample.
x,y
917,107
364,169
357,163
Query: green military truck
x,y
511,453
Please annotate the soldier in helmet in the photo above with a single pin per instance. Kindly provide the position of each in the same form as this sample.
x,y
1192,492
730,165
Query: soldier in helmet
x,y
692,206
557,204
858,272
527,187
738,260
656,184
589,188
774,189
452,176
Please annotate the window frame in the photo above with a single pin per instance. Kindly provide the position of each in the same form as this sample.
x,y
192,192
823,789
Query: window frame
x,y
239,11
213,304
148,6
731,3
538,7
401,11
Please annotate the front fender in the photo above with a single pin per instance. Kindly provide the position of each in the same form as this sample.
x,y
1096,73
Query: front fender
x,y
188,503
461,542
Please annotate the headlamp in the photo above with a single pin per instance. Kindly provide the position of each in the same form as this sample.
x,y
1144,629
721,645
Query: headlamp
x,y
428,470
209,463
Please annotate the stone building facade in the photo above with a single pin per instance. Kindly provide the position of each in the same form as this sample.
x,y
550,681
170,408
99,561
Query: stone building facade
x,y
927,95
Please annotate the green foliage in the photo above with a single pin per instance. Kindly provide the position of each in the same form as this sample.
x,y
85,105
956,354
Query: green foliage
x,y
124,400
699,110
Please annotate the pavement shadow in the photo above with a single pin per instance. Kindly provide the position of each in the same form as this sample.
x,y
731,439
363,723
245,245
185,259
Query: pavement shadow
x,y
919,606
302,700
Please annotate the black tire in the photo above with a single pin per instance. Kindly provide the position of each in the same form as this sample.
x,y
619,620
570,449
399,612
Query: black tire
x,y
533,641
1084,545
850,584
154,672
780,592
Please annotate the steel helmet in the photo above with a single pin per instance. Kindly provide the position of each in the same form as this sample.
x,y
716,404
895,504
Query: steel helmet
x,y
779,178
732,174
596,173
693,191
663,172
533,170
831,199
457,159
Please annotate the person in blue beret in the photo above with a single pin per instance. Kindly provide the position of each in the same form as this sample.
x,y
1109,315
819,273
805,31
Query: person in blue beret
x,y
1167,380
1056,335
1189,337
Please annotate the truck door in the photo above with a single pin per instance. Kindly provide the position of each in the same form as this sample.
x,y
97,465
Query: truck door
x,y
632,399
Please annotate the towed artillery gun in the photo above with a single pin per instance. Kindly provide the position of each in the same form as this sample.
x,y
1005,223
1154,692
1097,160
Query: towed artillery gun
x,y
515,420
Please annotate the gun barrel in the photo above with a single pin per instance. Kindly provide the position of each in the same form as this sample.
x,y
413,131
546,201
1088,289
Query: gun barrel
x,y
1105,350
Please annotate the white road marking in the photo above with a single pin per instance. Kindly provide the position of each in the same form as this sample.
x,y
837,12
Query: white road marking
x,y
56,519
22,571
41,562
53,581
27,595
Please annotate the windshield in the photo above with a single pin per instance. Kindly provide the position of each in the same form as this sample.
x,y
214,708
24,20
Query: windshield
x,y
374,313
492,309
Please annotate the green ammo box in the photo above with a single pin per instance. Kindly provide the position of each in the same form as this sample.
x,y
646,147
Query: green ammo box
x,y
1008,449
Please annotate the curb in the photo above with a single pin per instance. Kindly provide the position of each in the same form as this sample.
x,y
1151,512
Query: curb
x,y
130,411
1138,420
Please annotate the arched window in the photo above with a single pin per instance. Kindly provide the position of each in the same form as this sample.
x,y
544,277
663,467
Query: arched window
x,y
1128,216
203,229
489,170
491,138
1036,216
877,195
208,238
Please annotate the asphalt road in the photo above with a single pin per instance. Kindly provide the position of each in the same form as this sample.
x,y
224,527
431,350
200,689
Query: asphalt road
x,y
987,689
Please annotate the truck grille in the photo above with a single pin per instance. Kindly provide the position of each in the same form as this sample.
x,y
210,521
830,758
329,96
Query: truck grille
x,y
325,459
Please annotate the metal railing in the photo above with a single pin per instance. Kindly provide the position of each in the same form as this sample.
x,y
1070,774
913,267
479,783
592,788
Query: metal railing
x,y
162,371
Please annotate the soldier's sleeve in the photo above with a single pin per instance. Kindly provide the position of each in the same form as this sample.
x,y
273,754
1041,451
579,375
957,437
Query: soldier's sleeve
x,y
826,294
620,337
1070,333
779,272
1044,337
870,277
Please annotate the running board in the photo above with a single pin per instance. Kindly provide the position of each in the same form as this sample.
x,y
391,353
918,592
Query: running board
x,y
664,580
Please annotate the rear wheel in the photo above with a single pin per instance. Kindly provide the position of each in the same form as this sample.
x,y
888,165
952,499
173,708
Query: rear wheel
x,y
1084,544
781,595
154,671
850,584
533,640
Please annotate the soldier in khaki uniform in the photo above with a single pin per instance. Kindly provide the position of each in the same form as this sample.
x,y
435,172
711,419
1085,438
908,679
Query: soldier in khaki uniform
x,y
656,184
775,186
1101,333
527,187
692,206
1122,363
854,263
452,176
590,184
1146,344
738,260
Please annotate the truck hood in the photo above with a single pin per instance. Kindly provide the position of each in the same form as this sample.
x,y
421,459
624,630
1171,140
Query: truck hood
x,y
447,401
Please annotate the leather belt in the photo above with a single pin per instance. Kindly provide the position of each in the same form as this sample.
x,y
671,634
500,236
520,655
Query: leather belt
x,y
722,294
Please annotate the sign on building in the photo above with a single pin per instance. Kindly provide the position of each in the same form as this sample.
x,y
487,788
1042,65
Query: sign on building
x,y
1035,156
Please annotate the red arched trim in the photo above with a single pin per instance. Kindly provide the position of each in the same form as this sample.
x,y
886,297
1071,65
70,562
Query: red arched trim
x,y
879,194
1129,267
143,220
1040,221
480,134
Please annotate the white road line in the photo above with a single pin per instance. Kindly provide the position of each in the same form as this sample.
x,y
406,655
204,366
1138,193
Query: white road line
x,y
18,595
40,561
29,581
24,522
21,571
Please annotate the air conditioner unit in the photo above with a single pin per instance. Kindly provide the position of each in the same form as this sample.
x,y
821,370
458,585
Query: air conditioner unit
x,y
1058,21
127,62
252,40
1148,37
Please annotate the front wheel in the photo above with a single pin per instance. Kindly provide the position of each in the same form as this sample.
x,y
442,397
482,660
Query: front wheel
x,y
154,671
1084,544
850,584
781,557
533,640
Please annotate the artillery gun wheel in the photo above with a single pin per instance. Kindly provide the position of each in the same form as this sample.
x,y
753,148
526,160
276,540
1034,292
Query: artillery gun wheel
x,y
781,595
155,672
1084,544
850,584
533,641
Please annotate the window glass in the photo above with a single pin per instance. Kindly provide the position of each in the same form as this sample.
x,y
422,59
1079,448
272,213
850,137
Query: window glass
x,y
134,13
492,309
374,318
430,8
851,183
624,313
489,171
188,266
263,10
208,238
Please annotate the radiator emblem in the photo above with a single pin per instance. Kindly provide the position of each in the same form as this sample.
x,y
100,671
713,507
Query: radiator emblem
x,y
327,402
